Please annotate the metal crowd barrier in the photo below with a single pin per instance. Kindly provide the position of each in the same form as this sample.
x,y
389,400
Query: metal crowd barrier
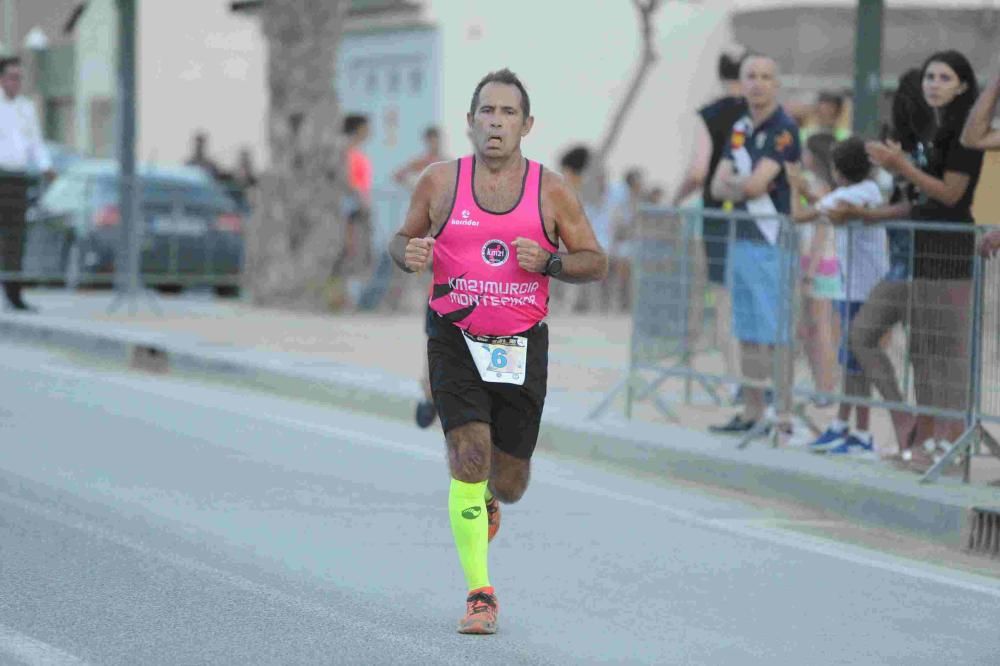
x,y
937,340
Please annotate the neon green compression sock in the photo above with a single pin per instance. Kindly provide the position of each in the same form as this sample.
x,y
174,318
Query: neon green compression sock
x,y
467,511
487,495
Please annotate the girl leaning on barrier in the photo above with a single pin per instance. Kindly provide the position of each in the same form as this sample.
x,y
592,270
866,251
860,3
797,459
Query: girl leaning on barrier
x,y
818,264
942,260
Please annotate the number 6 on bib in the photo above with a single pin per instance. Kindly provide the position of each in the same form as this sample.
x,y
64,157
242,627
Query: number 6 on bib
x,y
500,360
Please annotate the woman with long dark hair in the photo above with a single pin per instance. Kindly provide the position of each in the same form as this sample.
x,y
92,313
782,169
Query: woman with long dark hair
x,y
942,260
888,303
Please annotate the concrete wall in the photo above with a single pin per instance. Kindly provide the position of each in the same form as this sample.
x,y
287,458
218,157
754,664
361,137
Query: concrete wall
x,y
207,74
96,37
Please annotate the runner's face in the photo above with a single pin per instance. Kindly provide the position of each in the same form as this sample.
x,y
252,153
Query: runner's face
x,y
759,80
498,124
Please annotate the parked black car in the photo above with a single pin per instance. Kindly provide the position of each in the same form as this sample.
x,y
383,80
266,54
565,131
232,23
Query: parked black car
x,y
192,231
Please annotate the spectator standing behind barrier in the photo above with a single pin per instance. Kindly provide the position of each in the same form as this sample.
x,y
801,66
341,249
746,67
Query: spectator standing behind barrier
x,y
623,205
244,181
827,111
199,156
752,175
712,133
407,176
22,152
942,266
820,269
889,302
596,295
355,258
863,262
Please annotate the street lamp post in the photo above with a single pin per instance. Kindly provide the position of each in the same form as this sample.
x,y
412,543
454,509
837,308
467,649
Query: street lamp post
x,y
868,67
127,266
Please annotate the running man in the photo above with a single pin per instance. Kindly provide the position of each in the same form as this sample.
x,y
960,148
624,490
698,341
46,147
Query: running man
x,y
492,222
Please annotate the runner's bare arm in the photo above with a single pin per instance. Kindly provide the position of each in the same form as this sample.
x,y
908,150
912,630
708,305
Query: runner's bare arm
x,y
412,245
564,219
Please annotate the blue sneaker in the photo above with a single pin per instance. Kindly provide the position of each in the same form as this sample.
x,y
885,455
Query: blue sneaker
x,y
853,446
828,440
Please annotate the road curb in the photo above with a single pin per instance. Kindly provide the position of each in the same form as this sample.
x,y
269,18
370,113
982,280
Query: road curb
x,y
870,494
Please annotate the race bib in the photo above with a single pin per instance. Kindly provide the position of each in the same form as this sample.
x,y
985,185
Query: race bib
x,y
501,360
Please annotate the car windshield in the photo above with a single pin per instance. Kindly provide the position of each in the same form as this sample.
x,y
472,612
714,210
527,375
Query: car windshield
x,y
163,190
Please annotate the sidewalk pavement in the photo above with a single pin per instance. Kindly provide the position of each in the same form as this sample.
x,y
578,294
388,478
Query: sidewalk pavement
x,y
372,362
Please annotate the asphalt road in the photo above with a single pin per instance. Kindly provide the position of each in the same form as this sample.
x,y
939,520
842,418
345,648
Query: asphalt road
x,y
156,520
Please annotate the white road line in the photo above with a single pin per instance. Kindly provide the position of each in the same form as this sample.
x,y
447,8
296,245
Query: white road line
x,y
816,545
31,652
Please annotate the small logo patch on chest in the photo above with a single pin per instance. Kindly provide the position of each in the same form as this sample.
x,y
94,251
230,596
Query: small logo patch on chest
x,y
495,252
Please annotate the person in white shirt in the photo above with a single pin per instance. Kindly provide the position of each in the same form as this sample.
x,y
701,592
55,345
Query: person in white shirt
x,y
864,260
22,155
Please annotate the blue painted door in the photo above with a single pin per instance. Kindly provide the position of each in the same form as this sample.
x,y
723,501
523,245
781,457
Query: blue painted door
x,y
393,77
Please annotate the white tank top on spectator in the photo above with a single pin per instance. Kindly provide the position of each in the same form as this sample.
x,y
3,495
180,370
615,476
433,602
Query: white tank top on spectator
x,y
865,262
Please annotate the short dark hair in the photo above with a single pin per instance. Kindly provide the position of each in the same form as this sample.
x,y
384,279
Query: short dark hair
x,y
575,159
729,67
432,132
829,97
353,122
506,77
8,62
851,160
633,176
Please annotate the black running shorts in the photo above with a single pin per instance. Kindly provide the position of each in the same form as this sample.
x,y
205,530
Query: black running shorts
x,y
461,396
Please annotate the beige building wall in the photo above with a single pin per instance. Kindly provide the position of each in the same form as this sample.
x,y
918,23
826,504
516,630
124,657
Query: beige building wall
x,y
96,84
206,74
575,59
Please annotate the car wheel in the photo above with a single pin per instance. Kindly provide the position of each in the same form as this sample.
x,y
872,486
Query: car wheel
x,y
169,288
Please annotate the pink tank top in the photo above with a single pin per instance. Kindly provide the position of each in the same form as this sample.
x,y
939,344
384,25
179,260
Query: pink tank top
x,y
478,284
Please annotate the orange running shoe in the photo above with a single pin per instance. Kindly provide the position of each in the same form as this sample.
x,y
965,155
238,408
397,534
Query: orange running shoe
x,y
493,517
480,613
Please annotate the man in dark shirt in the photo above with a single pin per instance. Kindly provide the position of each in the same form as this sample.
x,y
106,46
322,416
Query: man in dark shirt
x,y
712,128
752,175
715,122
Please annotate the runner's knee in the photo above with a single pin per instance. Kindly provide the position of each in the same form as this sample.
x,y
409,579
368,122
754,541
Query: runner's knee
x,y
509,477
469,452
508,492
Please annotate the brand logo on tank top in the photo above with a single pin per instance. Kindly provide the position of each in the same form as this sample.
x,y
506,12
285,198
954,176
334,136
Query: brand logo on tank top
x,y
495,252
465,221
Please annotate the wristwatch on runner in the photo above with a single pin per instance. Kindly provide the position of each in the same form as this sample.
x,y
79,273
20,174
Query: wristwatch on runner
x,y
553,266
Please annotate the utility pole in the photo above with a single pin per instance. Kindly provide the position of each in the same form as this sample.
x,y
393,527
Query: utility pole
x,y
9,33
868,67
127,263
